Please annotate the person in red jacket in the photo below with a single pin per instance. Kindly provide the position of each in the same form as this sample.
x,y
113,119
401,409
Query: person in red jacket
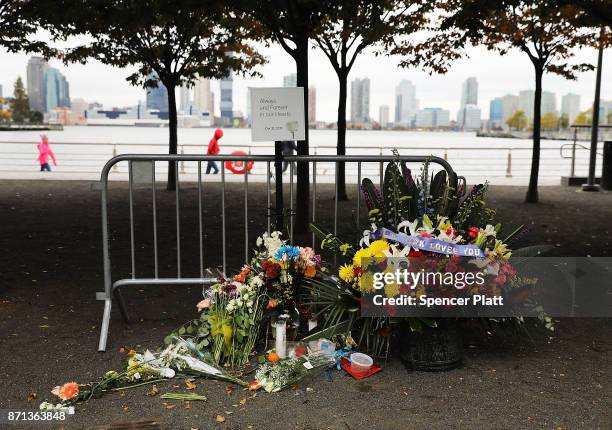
x,y
213,149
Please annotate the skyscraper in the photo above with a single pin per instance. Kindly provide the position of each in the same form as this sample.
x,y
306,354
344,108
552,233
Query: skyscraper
x,y
312,105
469,97
432,118
570,106
57,91
36,70
360,101
184,98
290,80
383,116
549,102
469,118
203,97
510,104
226,104
157,97
525,103
406,104
469,92
496,112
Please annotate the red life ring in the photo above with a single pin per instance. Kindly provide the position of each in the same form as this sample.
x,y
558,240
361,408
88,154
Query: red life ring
x,y
237,166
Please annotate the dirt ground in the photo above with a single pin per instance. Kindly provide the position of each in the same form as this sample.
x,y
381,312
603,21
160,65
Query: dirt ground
x,y
51,267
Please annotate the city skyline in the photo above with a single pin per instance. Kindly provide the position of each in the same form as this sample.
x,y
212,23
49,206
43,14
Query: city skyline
x,y
496,79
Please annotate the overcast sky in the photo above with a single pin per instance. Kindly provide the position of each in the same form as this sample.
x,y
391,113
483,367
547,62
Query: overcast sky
x,y
496,76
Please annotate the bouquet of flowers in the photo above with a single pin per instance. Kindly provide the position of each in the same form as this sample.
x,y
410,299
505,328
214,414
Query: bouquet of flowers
x,y
274,377
282,269
233,309
414,220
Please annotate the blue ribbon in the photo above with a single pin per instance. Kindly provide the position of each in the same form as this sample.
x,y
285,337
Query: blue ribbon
x,y
429,244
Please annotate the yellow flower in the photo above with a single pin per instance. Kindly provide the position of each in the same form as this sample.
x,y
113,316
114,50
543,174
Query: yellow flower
x,y
346,273
444,225
359,255
501,249
377,247
392,290
366,282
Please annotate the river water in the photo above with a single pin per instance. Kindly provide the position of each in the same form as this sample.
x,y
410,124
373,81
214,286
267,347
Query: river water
x,y
82,151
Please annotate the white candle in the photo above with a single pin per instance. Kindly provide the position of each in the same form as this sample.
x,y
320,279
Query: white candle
x,y
281,338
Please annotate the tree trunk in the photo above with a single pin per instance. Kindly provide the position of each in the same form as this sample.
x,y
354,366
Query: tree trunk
x,y
532,189
172,130
341,144
303,182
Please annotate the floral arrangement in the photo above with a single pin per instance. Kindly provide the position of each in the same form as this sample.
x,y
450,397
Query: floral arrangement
x,y
232,311
282,268
407,213
274,377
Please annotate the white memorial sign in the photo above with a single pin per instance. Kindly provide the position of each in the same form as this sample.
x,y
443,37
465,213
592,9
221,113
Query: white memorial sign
x,y
277,114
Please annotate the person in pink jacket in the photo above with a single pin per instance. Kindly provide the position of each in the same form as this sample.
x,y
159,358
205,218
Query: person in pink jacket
x,y
44,152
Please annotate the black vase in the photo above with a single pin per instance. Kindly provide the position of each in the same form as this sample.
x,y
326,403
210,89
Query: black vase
x,y
434,349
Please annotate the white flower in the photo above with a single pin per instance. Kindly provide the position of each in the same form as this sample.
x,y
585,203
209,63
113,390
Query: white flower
x,y
398,259
446,238
412,226
427,226
166,372
489,230
365,240
250,303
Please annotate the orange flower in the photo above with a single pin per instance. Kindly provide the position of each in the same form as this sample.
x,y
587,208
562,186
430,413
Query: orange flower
x,y
273,357
254,386
67,391
272,303
310,271
241,277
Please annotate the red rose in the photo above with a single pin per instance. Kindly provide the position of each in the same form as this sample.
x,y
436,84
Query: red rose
x,y
271,268
473,232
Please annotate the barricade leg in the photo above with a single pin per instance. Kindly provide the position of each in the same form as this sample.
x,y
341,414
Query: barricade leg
x,y
122,307
105,323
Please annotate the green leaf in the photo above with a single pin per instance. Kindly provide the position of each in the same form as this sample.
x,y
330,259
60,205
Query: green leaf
x,y
438,184
181,331
415,325
395,194
328,332
514,233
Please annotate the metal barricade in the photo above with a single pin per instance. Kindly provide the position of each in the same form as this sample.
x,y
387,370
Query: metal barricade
x,y
112,288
